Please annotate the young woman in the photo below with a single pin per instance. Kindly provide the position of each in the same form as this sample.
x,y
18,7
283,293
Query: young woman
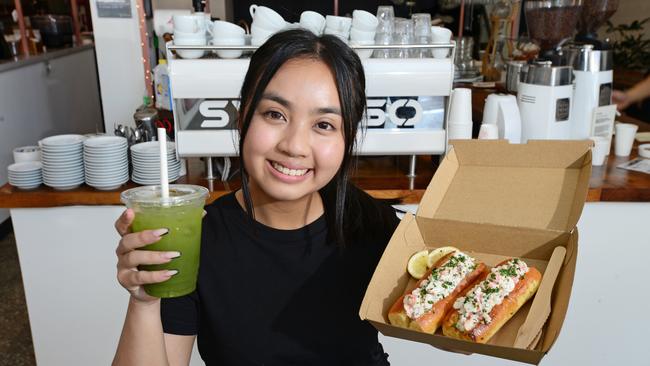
x,y
286,260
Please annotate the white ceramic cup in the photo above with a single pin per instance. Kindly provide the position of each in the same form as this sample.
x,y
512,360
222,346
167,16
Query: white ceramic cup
x,y
460,109
361,35
625,133
338,24
343,36
266,17
362,53
225,29
189,23
488,131
186,35
365,21
258,33
459,131
440,35
235,41
27,153
190,41
599,150
312,21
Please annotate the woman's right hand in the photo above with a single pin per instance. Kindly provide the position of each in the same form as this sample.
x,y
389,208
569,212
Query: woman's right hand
x,y
128,258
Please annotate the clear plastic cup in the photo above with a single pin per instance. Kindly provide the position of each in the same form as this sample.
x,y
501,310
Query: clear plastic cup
x,y
182,215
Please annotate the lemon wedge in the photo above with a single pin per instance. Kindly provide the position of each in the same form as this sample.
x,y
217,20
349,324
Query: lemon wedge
x,y
438,253
417,264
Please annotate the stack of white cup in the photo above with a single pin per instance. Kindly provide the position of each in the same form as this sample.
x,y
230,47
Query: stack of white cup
x,y
190,30
266,22
338,26
364,27
227,34
459,126
312,21
440,35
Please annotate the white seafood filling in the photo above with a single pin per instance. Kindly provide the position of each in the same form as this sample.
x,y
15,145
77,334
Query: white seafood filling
x,y
475,307
440,283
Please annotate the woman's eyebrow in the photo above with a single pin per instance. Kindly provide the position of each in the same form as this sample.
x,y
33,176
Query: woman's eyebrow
x,y
276,98
326,110
287,104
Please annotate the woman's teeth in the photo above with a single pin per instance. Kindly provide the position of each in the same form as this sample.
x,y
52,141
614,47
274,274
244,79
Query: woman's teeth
x,y
287,171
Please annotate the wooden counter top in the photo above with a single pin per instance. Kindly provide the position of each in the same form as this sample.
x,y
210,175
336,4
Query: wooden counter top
x,y
381,177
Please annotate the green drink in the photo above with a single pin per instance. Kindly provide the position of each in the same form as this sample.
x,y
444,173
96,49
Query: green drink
x,y
181,214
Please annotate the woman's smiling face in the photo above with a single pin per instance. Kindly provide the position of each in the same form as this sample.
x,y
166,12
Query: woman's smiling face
x,y
294,145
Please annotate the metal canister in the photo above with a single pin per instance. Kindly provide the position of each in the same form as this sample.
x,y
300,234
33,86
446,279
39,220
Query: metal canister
x,y
145,121
513,74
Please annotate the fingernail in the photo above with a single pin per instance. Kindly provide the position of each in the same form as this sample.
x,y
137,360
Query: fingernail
x,y
161,232
171,273
171,255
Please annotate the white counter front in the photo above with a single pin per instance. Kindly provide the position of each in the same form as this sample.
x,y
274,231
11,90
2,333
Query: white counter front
x,y
76,307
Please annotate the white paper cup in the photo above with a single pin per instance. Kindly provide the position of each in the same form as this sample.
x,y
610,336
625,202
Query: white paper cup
x,y
460,109
189,23
599,150
440,35
361,35
365,21
312,21
27,153
625,133
488,131
459,131
267,17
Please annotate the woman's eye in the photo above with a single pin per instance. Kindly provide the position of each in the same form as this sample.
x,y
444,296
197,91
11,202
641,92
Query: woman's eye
x,y
324,126
274,115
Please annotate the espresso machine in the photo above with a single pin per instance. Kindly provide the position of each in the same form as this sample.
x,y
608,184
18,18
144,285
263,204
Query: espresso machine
x,y
545,93
592,62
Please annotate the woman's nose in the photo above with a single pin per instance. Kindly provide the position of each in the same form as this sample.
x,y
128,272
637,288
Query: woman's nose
x,y
295,140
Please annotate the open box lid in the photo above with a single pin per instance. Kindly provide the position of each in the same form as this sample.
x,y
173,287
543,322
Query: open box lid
x,y
539,185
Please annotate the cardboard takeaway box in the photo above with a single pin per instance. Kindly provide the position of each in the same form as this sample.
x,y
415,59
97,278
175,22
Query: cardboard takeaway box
x,y
494,200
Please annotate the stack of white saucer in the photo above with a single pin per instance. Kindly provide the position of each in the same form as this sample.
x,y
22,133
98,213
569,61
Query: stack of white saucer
x,y
62,158
146,163
106,162
25,175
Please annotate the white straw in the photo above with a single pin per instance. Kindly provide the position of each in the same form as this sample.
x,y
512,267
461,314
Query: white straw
x,y
164,177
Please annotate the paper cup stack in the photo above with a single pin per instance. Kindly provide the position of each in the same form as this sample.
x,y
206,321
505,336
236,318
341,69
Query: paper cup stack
x,y
146,163
106,162
25,175
63,164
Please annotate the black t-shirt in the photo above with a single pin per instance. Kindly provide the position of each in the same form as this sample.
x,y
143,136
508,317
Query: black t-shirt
x,y
282,297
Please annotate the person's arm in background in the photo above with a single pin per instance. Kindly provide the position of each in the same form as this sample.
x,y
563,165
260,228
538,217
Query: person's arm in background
x,y
637,93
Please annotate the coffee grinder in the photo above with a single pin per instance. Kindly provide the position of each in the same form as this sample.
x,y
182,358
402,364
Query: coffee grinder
x,y
545,92
592,63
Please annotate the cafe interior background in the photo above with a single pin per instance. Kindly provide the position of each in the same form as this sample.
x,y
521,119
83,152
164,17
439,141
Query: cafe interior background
x,y
93,68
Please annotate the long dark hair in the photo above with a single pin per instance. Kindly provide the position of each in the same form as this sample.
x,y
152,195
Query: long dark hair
x,y
348,73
